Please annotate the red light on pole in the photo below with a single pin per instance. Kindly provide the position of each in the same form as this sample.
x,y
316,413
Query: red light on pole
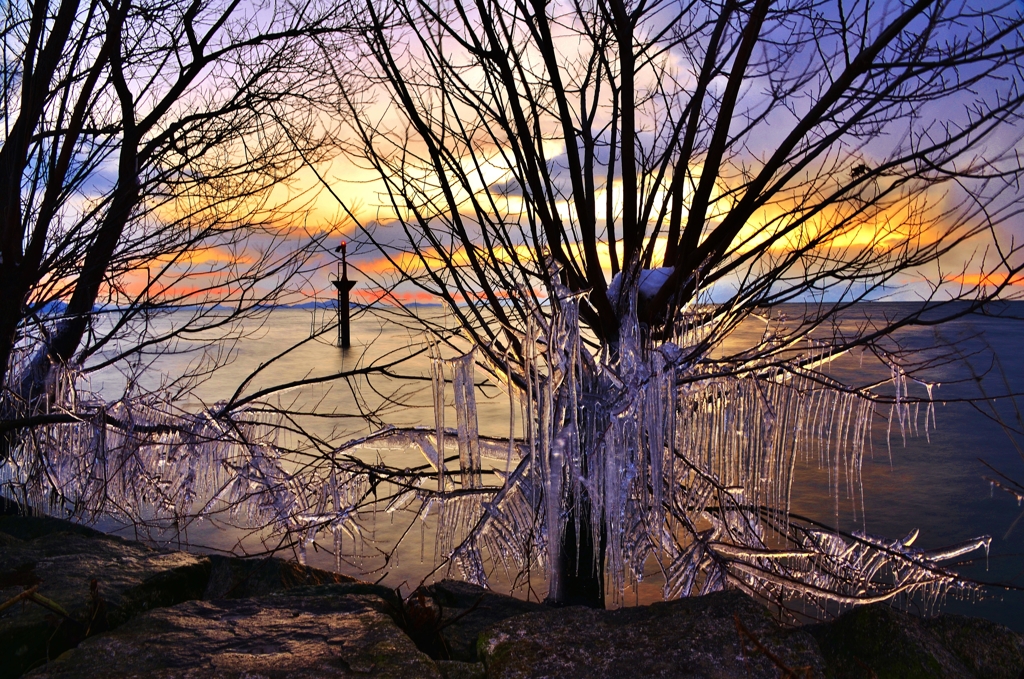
x,y
343,249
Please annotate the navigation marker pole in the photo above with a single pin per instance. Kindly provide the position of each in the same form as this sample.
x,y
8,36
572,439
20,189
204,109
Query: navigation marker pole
x,y
343,284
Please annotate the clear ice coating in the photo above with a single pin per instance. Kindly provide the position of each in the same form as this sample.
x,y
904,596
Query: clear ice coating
x,y
465,417
684,464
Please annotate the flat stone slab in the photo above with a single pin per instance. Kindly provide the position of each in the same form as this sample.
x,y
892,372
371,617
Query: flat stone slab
x,y
695,637
271,637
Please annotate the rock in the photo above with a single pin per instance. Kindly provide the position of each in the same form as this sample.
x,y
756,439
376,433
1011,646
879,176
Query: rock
x,y
270,638
986,648
467,610
63,559
232,578
880,641
390,600
32,527
456,669
695,637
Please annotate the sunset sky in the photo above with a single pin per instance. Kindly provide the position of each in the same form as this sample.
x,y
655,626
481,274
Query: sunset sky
x,y
364,194
310,212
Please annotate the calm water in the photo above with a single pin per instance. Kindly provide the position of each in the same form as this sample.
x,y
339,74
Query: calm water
x,y
936,486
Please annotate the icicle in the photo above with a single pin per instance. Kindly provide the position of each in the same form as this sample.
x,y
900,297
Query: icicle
x,y
511,423
553,508
437,382
465,414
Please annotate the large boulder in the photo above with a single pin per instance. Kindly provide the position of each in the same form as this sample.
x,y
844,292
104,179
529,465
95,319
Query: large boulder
x,y
721,635
98,582
273,637
880,641
90,581
986,648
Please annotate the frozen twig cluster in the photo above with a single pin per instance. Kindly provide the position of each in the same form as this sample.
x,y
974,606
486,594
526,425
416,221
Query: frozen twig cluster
x,y
142,461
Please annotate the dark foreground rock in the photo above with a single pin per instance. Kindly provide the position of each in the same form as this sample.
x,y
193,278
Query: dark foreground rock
x,y
269,638
878,641
983,647
464,612
232,578
133,611
97,582
695,637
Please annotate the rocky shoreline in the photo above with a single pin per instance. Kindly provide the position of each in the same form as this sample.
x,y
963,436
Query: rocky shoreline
x,y
94,605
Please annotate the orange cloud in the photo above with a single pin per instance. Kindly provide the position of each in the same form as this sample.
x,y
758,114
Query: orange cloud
x,y
412,263
393,298
993,279
209,255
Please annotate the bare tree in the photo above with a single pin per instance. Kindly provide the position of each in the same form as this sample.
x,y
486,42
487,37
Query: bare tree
x,y
603,192
142,142
147,206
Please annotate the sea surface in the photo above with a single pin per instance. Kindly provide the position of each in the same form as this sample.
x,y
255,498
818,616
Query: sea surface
x,y
929,479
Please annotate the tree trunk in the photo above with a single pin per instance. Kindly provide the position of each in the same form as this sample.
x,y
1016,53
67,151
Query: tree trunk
x,y
582,566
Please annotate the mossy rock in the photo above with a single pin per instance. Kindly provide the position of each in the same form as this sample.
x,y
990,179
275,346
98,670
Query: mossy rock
x,y
880,641
456,669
